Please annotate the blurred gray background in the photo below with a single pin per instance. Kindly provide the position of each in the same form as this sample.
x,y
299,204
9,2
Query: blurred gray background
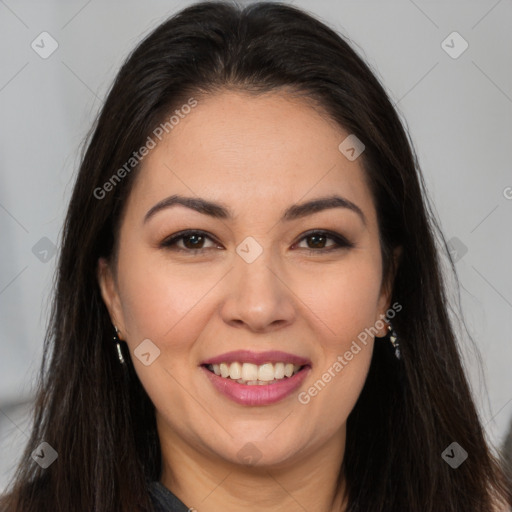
x,y
58,59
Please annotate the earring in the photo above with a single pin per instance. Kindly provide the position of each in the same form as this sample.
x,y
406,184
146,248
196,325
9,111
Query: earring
x,y
117,341
393,338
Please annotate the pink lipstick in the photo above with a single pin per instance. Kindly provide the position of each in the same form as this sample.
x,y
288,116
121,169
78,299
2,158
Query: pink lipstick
x,y
256,378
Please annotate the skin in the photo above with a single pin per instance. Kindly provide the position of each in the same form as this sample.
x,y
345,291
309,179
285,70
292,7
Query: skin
x,y
257,156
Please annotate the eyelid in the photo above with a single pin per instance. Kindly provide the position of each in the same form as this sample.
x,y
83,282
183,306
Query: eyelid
x,y
172,240
340,242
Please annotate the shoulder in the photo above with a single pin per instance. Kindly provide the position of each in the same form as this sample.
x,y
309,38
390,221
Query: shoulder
x,y
164,500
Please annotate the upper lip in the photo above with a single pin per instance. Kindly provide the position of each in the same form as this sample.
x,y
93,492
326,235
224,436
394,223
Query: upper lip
x,y
258,358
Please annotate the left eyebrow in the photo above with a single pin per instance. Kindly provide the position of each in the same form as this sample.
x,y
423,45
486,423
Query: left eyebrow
x,y
220,211
298,211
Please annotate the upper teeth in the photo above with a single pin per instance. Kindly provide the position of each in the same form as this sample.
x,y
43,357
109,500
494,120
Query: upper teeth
x,y
249,373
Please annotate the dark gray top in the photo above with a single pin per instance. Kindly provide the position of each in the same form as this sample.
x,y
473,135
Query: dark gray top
x,y
164,500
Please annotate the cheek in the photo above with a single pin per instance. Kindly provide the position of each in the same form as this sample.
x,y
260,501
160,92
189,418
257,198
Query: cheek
x,y
161,302
345,303
345,300
169,306
334,390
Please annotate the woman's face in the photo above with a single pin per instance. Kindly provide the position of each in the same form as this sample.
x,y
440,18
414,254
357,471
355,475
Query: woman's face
x,y
249,290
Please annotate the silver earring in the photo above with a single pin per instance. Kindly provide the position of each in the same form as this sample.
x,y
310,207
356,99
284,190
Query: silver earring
x,y
393,338
117,341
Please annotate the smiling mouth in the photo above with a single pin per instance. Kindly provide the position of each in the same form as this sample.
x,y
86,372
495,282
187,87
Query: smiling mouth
x,y
255,375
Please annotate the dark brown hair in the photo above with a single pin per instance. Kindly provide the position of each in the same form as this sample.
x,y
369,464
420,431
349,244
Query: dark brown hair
x,y
95,413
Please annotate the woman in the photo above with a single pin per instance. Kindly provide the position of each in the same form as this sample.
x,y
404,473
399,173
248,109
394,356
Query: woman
x,y
249,311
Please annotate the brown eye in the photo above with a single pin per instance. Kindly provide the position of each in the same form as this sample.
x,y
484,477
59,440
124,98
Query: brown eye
x,y
189,241
193,241
317,241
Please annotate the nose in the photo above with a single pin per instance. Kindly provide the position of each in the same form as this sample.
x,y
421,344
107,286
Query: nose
x,y
258,296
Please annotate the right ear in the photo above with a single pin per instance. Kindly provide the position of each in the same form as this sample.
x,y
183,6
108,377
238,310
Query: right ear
x,y
110,293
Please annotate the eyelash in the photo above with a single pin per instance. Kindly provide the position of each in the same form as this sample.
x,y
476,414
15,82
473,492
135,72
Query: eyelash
x,y
340,241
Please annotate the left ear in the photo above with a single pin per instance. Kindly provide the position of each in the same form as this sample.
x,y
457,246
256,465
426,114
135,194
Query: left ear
x,y
110,294
386,290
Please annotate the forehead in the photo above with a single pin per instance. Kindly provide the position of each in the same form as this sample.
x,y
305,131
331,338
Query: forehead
x,y
252,151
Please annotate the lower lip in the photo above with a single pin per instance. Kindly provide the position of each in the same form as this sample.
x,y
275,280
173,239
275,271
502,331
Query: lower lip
x,y
257,394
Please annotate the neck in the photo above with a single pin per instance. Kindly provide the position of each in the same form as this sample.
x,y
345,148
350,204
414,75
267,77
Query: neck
x,y
208,483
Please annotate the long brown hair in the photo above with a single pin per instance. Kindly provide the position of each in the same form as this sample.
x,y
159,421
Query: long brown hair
x,y
95,413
